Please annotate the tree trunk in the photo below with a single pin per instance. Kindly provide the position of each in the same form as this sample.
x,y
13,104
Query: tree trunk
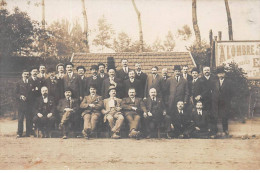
x,y
85,32
43,15
230,31
195,22
141,41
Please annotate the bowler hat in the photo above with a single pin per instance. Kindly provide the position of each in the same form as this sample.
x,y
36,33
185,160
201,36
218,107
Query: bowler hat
x,y
177,67
220,69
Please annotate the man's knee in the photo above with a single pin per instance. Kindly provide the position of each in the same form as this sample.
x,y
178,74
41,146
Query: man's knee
x,y
110,118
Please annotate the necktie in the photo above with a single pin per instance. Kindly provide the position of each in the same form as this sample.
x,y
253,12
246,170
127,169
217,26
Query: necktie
x,y
177,79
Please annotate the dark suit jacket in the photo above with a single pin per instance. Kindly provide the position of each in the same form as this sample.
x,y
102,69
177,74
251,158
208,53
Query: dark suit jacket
x,y
60,86
221,96
106,84
22,89
189,77
127,105
153,83
142,78
44,108
194,89
82,86
164,89
122,75
155,107
200,121
181,121
53,88
97,82
64,103
176,91
136,84
35,89
72,83
97,101
205,90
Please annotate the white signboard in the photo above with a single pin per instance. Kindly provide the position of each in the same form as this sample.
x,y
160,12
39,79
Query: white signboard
x,y
245,53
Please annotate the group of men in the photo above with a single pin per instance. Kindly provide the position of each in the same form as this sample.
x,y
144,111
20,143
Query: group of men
x,y
183,105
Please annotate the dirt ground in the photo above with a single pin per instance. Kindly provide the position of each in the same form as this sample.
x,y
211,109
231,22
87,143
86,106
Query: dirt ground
x,y
55,153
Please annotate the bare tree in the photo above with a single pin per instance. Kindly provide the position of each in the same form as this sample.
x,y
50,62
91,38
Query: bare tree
x,y
230,31
141,41
195,22
85,31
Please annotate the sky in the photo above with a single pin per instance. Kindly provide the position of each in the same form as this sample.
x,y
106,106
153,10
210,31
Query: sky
x,y
158,16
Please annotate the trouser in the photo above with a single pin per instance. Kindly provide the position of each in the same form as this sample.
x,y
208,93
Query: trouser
x,y
44,123
21,115
167,123
65,120
90,121
223,114
115,121
133,119
151,124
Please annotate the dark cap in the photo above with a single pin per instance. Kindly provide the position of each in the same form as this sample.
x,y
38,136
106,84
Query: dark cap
x,y
60,64
177,67
195,69
112,87
94,67
220,69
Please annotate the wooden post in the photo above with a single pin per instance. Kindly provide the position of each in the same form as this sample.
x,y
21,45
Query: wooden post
x,y
212,57
210,37
219,36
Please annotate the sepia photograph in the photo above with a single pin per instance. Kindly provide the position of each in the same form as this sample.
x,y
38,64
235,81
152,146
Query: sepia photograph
x,y
129,85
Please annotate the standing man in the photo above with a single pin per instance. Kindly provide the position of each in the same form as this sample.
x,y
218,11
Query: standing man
x,y
194,86
185,74
222,94
140,75
112,81
22,91
82,81
60,80
165,77
42,72
71,80
94,80
35,85
112,112
91,106
153,81
123,72
44,111
68,108
132,83
133,108
155,113
101,71
206,86
177,90
52,84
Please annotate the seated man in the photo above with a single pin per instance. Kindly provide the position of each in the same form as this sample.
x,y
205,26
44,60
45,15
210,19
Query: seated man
x,y
91,106
112,114
67,108
44,118
155,112
200,120
181,122
133,107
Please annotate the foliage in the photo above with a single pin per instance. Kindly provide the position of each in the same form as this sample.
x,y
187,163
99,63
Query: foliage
x,y
169,42
122,43
157,46
104,35
201,54
16,34
185,33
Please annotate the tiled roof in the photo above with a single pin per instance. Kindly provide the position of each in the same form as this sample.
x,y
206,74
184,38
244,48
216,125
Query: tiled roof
x,y
146,59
